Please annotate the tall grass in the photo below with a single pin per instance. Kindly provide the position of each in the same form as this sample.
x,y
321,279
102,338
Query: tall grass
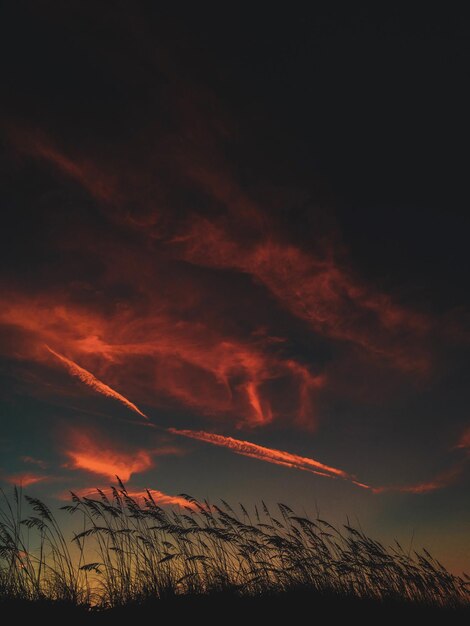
x,y
35,559
130,550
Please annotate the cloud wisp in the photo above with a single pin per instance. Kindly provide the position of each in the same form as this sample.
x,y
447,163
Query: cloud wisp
x,y
159,497
26,479
269,455
306,464
441,481
31,460
97,385
164,353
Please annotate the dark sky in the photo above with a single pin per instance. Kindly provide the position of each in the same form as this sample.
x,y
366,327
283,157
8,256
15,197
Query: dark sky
x,y
239,227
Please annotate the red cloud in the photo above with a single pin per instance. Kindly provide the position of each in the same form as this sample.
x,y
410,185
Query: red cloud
x,y
314,286
170,337
39,145
152,330
153,354
317,289
160,498
26,479
86,452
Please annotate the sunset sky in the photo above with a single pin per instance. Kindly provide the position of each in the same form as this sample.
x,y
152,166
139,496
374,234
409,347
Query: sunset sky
x,y
234,261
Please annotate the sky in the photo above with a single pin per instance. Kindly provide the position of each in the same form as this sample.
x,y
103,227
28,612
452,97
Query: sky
x,y
234,261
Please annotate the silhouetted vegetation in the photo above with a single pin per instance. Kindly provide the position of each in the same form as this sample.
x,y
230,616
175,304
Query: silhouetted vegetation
x,y
129,552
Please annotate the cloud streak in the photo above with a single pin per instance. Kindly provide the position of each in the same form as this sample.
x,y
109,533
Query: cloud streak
x,y
91,381
26,479
84,172
159,497
269,455
441,481
306,464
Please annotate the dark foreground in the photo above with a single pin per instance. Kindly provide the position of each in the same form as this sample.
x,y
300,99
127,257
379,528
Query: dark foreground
x,y
212,563
217,608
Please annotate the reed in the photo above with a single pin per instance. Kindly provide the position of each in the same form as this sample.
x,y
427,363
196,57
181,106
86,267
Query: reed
x,y
130,550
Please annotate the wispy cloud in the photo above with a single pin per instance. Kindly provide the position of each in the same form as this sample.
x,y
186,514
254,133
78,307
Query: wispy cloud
x,y
306,464
26,479
97,385
162,355
441,481
270,455
37,144
159,497
34,461
316,288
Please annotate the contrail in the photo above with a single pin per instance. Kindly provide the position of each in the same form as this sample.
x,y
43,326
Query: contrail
x,y
270,455
87,377
442,480
294,461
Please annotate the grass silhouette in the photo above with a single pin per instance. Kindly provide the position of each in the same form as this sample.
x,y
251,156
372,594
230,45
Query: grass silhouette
x,y
130,552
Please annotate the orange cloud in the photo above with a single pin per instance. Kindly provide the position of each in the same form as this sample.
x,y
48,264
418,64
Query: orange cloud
x,y
154,341
270,455
173,347
155,355
160,498
163,343
86,453
87,377
26,479
312,284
